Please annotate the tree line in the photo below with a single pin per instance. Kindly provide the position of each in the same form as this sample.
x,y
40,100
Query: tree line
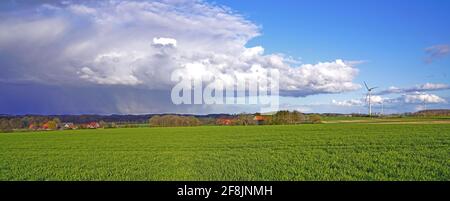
x,y
8,124
283,117
173,120
244,119
27,122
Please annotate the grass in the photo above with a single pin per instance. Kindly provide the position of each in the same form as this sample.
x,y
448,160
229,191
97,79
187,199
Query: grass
x,y
302,152
389,120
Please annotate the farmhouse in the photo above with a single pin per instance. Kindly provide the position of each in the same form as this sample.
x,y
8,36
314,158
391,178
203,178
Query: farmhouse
x,y
262,119
93,125
259,119
69,126
224,121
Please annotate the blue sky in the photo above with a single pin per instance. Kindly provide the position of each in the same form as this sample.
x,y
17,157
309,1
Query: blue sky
x,y
389,36
89,48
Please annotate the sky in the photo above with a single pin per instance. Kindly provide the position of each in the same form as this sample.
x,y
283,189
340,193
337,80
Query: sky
x,y
118,57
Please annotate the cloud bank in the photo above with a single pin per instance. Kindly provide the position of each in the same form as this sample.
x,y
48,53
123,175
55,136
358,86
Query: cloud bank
x,y
409,95
418,88
137,44
422,98
405,102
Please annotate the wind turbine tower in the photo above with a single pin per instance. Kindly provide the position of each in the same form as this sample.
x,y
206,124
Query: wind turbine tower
x,y
369,97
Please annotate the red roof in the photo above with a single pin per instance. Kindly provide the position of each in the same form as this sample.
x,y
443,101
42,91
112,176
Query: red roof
x,y
224,121
259,118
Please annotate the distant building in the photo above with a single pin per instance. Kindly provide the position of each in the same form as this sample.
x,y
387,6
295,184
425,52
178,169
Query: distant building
x,y
261,119
36,126
69,126
93,125
224,121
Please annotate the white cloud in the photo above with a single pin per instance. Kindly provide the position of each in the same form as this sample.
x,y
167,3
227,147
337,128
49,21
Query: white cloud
x,y
165,41
376,99
422,98
82,9
348,103
432,86
254,51
31,32
405,102
359,102
325,77
418,88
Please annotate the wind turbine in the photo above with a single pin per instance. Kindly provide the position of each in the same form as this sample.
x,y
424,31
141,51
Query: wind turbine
x,y
424,105
369,95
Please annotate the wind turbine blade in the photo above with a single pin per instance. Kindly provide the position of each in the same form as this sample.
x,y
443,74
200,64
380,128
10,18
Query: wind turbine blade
x,y
373,88
366,85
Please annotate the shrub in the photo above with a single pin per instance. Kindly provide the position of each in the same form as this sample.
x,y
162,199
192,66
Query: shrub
x,y
244,119
287,117
315,119
173,120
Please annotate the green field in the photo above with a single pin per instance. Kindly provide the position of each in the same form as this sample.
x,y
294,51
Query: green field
x,y
303,152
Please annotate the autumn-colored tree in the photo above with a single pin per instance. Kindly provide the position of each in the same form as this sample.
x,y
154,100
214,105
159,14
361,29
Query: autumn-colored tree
x,y
193,121
154,121
52,125
315,119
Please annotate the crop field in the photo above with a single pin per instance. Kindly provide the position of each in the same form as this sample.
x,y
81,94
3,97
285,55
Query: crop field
x,y
389,120
347,151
